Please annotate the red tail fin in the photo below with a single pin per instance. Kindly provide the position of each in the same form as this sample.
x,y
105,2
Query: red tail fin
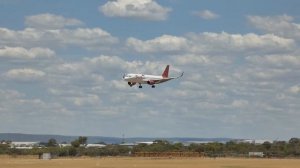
x,y
166,72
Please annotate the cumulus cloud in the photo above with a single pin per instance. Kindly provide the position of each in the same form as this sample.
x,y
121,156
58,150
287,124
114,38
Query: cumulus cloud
x,y
23,53
192,59
164,43
25,75
294,89
86,100
52,31
275,60
240,103
106,62
140,9
206,14
267,74
50,21
9,94
213,43
89,38
238,43
281,25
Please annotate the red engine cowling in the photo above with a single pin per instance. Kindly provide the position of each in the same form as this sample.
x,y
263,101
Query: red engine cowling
x,y
151,82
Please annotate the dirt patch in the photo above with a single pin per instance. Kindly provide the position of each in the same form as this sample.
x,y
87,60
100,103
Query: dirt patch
x,y
120,162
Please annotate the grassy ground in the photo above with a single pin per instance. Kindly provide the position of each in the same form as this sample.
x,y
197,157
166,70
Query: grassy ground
x,y
115,162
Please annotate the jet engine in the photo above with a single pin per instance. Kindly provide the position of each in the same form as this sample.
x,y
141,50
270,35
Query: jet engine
x,y
131,83
151,82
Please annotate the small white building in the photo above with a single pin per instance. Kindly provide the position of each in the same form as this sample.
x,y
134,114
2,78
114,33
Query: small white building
x,y
4,143
146,142
64,145
130,145
261,141
46,156
24,145
256,154
253,141
95,146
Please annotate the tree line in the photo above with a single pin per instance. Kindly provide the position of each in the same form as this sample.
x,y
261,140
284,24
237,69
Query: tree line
x,y
279,149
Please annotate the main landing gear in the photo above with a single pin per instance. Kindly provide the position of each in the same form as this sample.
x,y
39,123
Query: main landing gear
x,y
140,86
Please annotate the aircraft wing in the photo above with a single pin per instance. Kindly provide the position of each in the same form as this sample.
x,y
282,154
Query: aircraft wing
x,y
166,79
163,80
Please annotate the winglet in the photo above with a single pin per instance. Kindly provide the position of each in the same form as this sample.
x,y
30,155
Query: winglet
x,y
181,74
166,72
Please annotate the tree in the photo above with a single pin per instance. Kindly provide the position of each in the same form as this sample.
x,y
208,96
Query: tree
x,y
196,148
82,140
294,146
267,145
294,141
75,143
52,142
4,148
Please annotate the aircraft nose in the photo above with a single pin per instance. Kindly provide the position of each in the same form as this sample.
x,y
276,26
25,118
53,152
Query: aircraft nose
x,y
125,77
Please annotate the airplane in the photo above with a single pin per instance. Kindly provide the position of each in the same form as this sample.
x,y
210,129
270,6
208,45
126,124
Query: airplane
x,y
152,80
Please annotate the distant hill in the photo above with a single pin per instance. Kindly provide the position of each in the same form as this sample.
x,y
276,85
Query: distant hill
x,y
59,138
95,139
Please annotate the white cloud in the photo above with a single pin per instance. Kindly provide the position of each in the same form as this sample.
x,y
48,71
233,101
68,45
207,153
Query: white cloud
x,y
275,60
140,9
117,84
222,43
192,59
281,25
25,75
94,38
240,103
9,94
88,38
267,74
22,53
87,100
52,31
113,64
164,43
295,89
27,37
50,21
214,43
206,14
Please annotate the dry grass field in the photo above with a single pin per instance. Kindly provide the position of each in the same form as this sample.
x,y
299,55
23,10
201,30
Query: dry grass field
x,y
119,162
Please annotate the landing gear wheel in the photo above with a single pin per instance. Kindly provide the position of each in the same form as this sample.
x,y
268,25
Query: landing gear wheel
x,y
140,86
153,86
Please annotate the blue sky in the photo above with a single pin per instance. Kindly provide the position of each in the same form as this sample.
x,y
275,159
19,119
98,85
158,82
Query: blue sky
x,y
61,65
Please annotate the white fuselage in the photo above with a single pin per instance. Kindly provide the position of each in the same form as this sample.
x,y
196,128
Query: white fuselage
x,y
141,78
152,80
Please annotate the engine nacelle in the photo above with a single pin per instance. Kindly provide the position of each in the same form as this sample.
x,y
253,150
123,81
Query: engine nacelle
x,y
151,82
131,83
